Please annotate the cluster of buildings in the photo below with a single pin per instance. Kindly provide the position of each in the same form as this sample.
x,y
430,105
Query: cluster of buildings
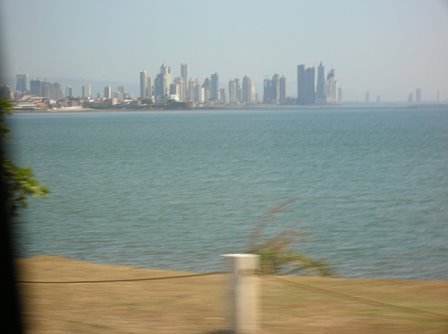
x,y
200,93
239,92
164,88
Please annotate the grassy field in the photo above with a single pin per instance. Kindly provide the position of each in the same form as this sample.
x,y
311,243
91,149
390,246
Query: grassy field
x,y
199,304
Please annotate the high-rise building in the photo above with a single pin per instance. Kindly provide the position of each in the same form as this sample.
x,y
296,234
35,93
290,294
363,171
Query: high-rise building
x,y
232,92
162,83
184,72
340,96
56,91
411,98
149,87
271,90
47,89
310,92
331,91
87,91
36,87
185,94
198,95
367,97
108,92
214,87
320,87
222,96
301,84
22,83
143,84
207,90
238,91
282,86
247,90
68,91
418,95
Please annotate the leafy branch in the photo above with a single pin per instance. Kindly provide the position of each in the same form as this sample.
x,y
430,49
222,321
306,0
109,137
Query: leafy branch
x,y
278,254
19,182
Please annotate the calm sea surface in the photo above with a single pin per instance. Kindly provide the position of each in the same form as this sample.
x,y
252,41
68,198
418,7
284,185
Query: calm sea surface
x,y
176,190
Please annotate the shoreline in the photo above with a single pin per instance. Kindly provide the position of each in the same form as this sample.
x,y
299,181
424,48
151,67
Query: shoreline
x,y
58,259
341,107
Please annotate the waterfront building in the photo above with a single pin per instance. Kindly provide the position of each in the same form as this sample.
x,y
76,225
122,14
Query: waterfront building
x,y
87,91
6,92
207,90
271,90
162,83
367,98
148,92
232,92
108,92
282,89
411,98
190,91
184,82
340,95
247,90
56,91
68,91
22,83
47,89
143,84
418,95
301,84
36,87
331,91
310,80
198,95
214,87
222,96
238,91
321,96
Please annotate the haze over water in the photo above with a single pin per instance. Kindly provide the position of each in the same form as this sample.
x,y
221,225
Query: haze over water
x,y
176,190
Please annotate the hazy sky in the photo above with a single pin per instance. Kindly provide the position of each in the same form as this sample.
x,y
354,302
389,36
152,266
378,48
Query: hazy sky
x,y
389,47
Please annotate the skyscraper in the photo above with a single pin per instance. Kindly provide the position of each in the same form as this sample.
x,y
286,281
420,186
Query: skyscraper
x,y
162,83
207,90
214,87
36,87
418,95
232,92
301,84
282,85
68,91
320,88
22,83
271,90
247,90
108,92
310,85
87,91
185,94
331,91
143,84
184,72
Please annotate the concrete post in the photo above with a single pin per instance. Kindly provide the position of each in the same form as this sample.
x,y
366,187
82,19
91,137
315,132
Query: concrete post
x,y
244,287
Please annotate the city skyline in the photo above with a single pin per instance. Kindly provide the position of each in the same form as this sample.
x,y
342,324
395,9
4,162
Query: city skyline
x,y
388,49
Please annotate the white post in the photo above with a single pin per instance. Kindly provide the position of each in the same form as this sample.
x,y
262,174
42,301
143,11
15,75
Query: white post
x,y
244,287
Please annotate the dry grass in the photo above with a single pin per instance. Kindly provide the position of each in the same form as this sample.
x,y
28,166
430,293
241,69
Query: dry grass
x,y
198,304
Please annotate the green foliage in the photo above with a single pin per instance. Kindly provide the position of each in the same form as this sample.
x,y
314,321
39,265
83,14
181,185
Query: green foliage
x,y
278,254
20,182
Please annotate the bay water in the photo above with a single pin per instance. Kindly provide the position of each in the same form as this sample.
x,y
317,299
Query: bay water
x,y
176,190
